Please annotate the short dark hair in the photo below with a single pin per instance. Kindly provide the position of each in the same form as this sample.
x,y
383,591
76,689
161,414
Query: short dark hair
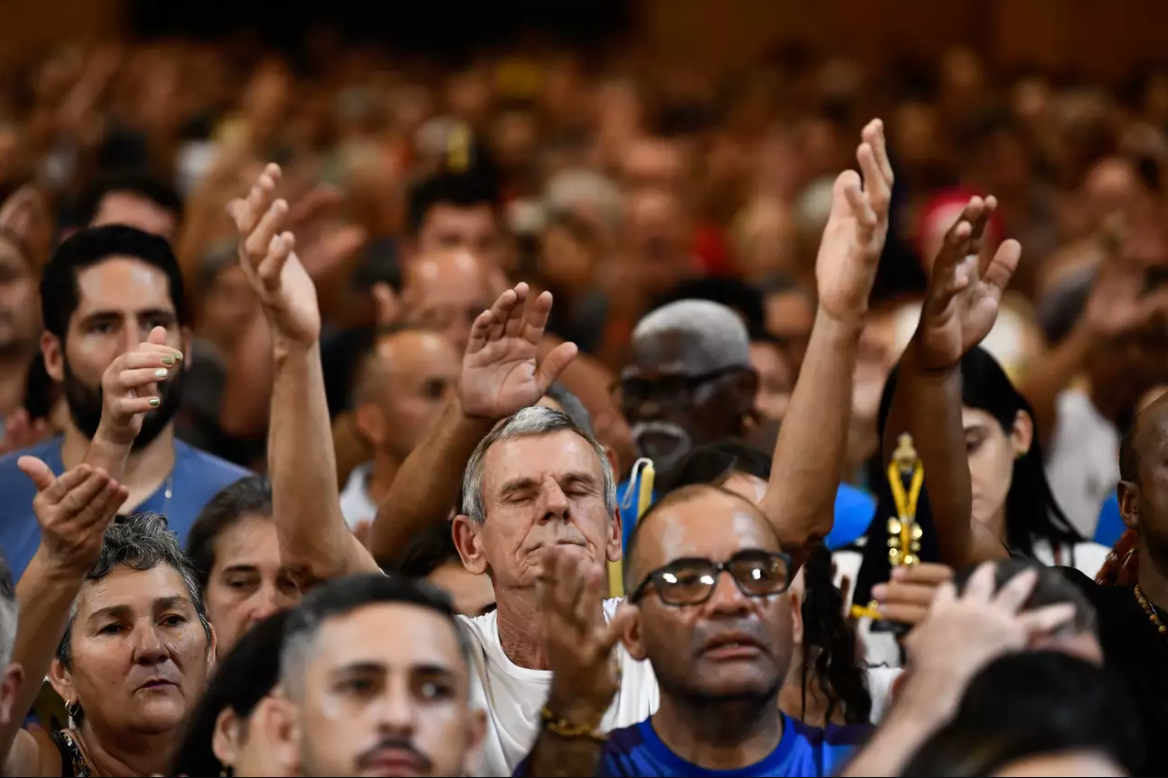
x,y
140,541
139,183
714,462
342,596
248,674
429,550
1032,703
1051,588
462,189
250,495
572,407
85,248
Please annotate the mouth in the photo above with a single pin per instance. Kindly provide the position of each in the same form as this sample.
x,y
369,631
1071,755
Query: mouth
x,y
157,684
732,646
393,761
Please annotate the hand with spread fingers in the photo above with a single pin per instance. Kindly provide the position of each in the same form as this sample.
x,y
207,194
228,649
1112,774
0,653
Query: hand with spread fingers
x,y
499,370
908,595
963,633
73,512
133,385
856,229
580,644
268,258
965,290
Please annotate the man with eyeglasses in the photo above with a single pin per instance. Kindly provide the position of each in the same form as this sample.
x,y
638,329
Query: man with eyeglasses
x,y
709,609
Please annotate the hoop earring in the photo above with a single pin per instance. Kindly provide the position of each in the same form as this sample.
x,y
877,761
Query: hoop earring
x,y
73,708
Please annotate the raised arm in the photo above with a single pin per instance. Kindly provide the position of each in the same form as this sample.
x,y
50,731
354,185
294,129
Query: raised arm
x,y
960,308
73,512
314,540
809,453
500,375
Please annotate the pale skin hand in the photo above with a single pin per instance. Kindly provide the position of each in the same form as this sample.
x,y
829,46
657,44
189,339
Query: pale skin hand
x,y
268,258
499,370
130,387
907,597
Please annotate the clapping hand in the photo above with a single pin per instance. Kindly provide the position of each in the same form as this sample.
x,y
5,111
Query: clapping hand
x,y
268,257
579,643
499,370
965,290
130,387
854,237
73,511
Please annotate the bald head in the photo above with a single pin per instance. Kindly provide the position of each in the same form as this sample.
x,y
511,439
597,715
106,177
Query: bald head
x,y
445,291
698,333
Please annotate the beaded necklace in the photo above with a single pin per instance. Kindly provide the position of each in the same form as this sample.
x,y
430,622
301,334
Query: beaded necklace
x,y
1150,609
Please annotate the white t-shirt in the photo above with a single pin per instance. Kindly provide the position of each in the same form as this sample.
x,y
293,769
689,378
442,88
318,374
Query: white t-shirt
x,y
513,696
356,506
1082,464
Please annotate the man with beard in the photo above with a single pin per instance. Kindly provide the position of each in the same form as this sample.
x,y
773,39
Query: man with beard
x,y
104,293
720,647
690,383
376,675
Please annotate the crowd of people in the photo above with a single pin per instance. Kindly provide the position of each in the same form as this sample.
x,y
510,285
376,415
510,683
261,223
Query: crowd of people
x,y
372,415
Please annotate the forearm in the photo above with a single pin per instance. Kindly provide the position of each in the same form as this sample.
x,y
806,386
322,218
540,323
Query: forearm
x,y
424,490
45,594
107,454
1051,374
813,440
561,757
314,539
249,386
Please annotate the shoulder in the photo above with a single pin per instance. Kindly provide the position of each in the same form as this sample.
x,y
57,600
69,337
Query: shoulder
x,y
206,467
11,477
834,736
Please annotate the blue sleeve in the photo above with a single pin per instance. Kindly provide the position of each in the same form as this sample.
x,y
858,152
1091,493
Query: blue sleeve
x,y
854,509
1111,524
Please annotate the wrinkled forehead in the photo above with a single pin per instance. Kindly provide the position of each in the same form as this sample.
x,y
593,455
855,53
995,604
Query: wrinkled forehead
x,y
539,457
712,526
134,591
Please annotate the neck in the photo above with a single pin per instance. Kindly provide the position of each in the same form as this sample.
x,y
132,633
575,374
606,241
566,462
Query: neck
x,y
520,628
145,469
13,380
1153,575
132,754
719,735
385,467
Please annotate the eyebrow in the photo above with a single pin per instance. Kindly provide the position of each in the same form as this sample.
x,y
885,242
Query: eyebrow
x,y
517,485
160,313
586,479
241,568
160,604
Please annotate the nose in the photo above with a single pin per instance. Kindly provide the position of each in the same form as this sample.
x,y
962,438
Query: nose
x,y
727,598
267,602
395,711
555,504
149,648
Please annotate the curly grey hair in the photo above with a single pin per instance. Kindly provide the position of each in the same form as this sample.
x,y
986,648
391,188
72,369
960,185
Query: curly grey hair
x,y
528,422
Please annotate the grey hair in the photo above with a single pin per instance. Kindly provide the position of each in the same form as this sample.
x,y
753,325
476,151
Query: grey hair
x,y
9,614
528,422
571,188
141,542
572,407
709,326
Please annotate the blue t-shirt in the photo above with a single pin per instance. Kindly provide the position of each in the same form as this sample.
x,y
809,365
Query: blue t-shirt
x,y
803,751
854,509
1110,525
196,478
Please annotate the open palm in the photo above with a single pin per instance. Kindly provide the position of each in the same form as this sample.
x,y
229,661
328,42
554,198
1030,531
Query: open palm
x,y
499,370
268,258
854,236
965,292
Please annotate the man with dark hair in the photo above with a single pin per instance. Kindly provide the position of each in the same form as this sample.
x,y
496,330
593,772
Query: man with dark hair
x,y
432,556
458,210
105,292
376,674
135,199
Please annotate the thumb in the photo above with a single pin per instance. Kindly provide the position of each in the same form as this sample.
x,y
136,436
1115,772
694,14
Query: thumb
x,y
840,199
554,364
37,471
157,336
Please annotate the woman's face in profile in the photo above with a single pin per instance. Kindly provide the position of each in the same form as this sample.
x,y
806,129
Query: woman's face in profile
x,y
992,454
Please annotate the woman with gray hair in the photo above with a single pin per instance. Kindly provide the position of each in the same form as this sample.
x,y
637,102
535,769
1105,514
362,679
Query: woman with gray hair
x,y
112,612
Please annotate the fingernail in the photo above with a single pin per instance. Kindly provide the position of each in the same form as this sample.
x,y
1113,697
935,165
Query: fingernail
x,y
879,591
160,373
154,402
168,360
899,572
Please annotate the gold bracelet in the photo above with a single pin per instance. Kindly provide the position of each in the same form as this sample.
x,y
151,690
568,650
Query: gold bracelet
x,y
567,730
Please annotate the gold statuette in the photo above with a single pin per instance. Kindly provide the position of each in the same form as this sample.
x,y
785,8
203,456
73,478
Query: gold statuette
x,y
904,534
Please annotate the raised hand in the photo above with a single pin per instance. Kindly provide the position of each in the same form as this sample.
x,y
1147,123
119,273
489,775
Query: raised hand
x,y
854,237
267,255
73,511
130,389
961,634
499,370
965,290
579,643
908,596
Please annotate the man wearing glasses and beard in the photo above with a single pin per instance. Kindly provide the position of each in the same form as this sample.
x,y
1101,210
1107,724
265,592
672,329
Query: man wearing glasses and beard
x,y
115,335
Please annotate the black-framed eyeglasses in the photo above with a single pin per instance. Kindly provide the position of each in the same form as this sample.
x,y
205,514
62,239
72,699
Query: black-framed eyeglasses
x,y
692,581
670,391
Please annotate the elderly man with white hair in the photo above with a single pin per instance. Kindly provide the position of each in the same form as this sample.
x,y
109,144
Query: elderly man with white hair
x,y
536,480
